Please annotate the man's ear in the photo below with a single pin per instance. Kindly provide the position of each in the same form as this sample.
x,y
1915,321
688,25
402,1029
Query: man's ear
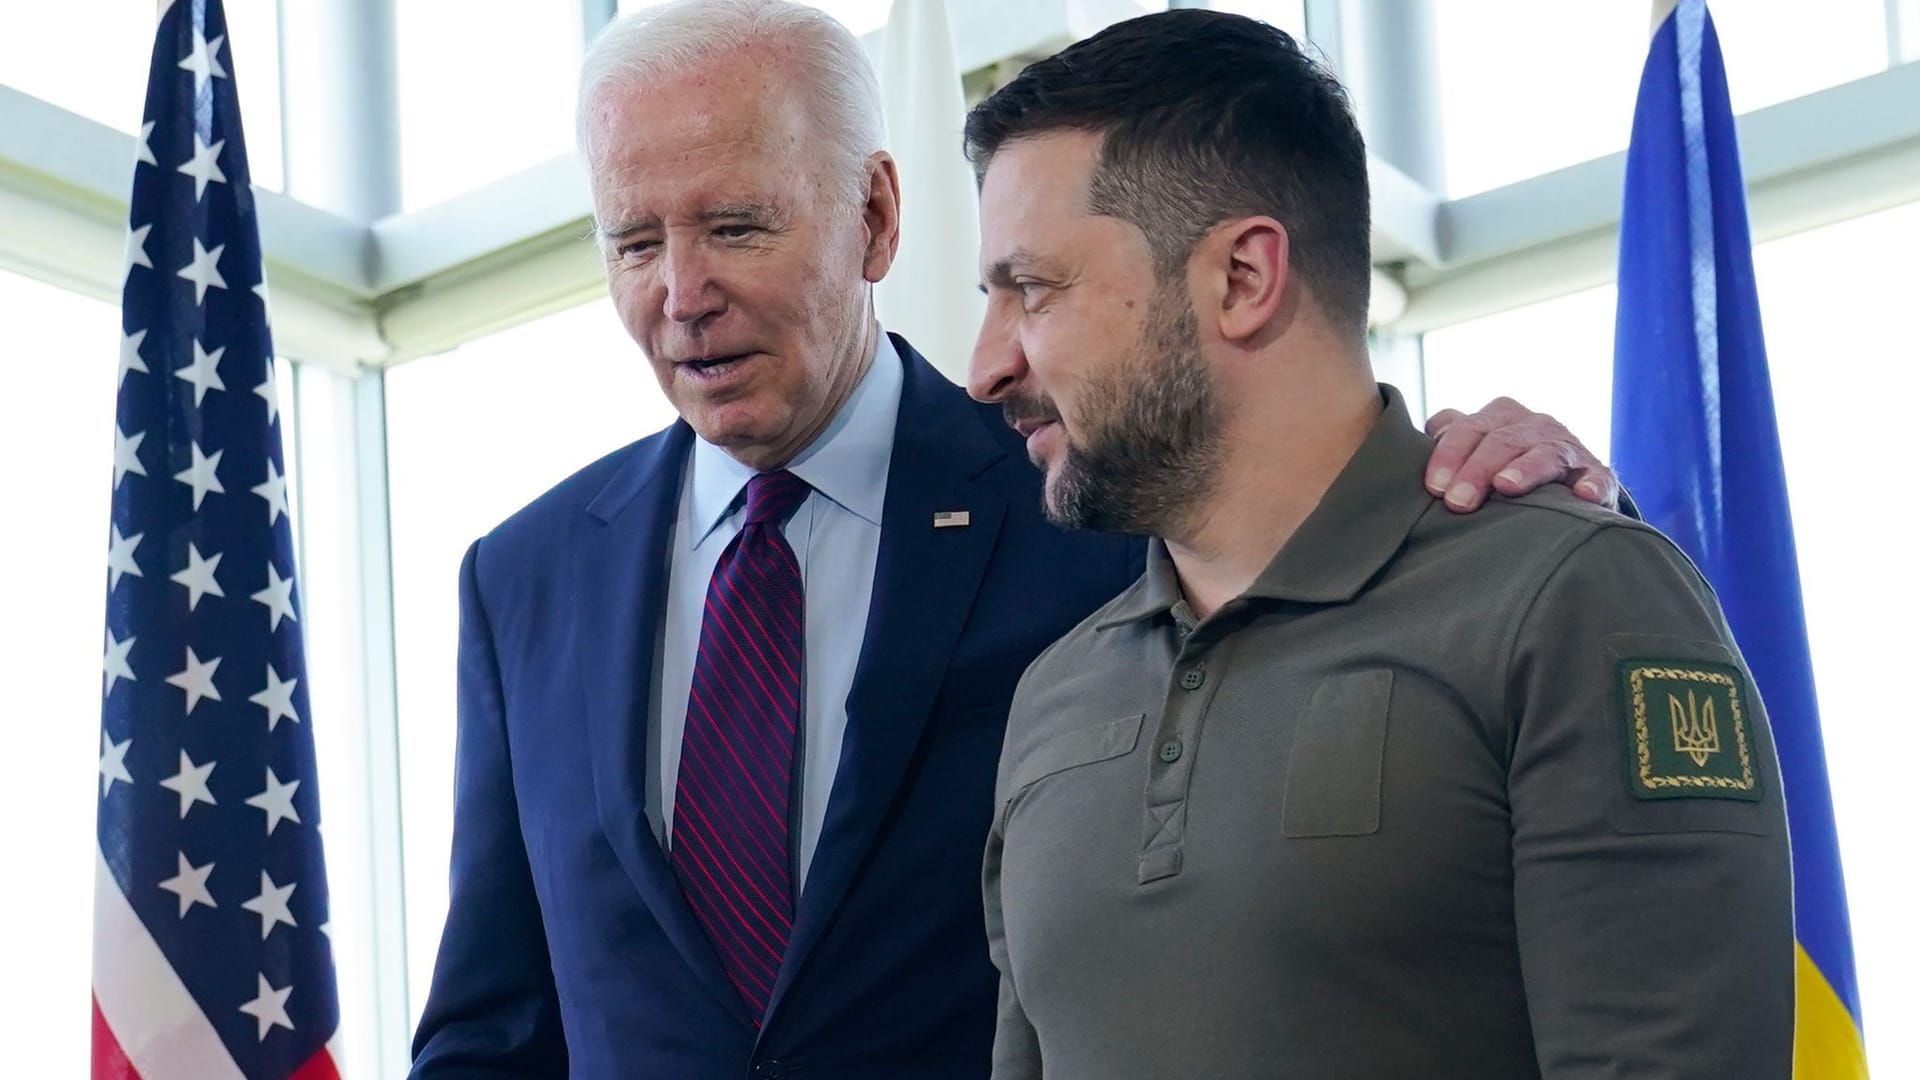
x,y
881,214
1251,255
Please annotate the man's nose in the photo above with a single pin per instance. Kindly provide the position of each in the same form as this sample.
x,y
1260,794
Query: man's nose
x,y
691,293
998,363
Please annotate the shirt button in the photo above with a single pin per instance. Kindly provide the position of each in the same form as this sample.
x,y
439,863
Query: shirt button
x,y
1170,751
1191,678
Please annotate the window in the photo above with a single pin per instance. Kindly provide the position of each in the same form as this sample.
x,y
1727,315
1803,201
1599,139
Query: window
x,y
1555,356
1288,15
486,89
1527,87
1844,374
472,435
93,60
56,542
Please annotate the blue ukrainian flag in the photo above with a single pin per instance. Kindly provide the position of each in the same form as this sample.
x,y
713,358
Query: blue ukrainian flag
x,y
1695,440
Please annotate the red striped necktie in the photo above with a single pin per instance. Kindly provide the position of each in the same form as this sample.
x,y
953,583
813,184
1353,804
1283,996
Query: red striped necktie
x,y
730,844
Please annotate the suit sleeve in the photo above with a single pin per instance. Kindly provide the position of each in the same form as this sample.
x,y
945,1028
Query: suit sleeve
x,y
492,1010
1016,1047
1655,931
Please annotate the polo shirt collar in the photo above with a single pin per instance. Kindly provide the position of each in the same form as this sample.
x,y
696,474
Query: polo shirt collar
x,y
1359,525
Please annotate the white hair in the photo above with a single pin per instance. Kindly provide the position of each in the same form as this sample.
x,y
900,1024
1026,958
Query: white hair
x,y
833,68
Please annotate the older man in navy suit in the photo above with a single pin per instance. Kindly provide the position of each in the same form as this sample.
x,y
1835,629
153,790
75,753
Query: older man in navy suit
x,y
731,698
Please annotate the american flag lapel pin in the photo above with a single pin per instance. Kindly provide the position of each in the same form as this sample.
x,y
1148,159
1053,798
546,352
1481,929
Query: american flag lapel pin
x,y
952,519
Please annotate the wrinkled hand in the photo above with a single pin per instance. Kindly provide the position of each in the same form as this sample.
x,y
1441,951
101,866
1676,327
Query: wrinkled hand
x,y
1509,448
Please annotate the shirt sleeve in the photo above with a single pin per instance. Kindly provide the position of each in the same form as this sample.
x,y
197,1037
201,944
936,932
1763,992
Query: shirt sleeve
x,y
1652,887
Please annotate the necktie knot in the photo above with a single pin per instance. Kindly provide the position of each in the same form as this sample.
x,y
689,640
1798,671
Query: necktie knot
x,y
772,497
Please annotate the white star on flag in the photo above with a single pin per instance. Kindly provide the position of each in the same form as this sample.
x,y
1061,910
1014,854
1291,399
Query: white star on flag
x,y
271,904
204,166
274,490
196,679
203,475
130,358
276,801
126,454
204,60
269,389
113,763
144,152
190,783
203,373
266,306
137,248
204,270
277,596
120,559
115,664
270,1008
277,699
198,576
190,885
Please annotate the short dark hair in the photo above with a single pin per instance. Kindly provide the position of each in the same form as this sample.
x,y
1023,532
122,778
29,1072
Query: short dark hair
x,y
1206,116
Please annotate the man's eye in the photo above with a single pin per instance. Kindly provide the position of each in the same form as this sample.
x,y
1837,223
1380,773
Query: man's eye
x,y
1031,292
634,249
736,232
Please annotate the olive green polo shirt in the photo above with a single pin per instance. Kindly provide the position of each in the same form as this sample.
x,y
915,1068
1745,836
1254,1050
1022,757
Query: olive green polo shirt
x,y
1475,796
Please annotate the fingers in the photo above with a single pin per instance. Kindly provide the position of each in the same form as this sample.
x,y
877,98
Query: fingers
x,y
1521,456
1597,484
1537,466
1455,434
1443,420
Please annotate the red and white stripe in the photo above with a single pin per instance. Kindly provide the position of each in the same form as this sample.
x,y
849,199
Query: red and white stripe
x,y
146,1025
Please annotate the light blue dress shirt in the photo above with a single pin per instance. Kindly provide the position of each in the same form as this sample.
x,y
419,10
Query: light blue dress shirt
x,y
835,534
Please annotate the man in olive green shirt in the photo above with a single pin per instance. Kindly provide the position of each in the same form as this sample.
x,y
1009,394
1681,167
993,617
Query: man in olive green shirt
x,y
1346,785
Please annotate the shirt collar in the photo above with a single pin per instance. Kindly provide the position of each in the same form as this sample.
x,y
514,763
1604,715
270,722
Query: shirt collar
x,y
1359,525
847,463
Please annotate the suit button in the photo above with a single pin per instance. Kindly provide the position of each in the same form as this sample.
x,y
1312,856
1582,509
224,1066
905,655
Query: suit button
x,y
1192,678
1170,751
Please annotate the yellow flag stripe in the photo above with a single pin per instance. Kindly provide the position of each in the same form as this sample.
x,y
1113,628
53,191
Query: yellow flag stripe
x,y
1826,1044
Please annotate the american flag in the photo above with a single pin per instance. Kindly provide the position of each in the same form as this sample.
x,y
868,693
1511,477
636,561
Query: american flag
x,y
211,957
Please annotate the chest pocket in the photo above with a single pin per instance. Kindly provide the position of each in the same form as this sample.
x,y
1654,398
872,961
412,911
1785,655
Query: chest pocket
x,y
1071,749
1333,777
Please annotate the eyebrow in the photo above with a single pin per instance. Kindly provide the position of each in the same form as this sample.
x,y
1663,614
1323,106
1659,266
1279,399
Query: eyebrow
x,y
1002,270
754,213
750,212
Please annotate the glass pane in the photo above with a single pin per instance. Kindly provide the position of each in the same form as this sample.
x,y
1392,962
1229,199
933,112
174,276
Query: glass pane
x,y
859,16
110,85
486,89
1834,301
1840,343
60,429
1288,15
1555,356
1527,87
315,432
535,403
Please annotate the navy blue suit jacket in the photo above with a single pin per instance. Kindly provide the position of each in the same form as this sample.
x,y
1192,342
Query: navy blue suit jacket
x,y
568,947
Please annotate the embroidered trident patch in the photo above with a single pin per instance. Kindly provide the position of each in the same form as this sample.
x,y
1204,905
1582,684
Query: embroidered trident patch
x,y
1705,746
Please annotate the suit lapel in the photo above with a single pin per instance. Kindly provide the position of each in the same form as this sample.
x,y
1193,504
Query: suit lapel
x,y
620,581
923,587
